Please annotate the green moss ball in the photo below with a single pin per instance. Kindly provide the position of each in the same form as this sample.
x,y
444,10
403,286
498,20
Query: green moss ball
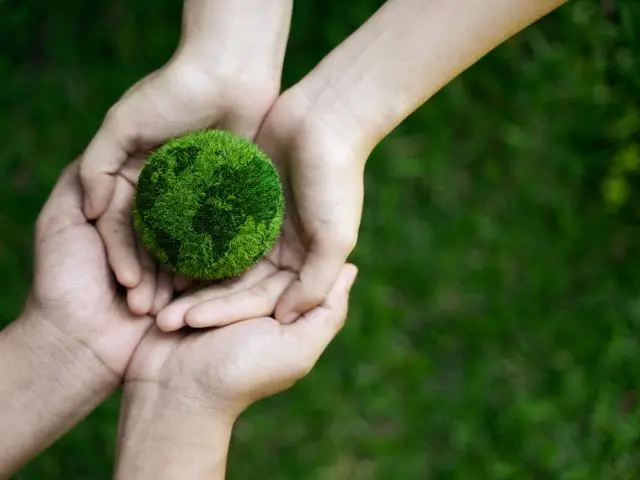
x,y
209,205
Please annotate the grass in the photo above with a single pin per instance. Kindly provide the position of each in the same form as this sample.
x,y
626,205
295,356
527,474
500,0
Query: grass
x,y
494,329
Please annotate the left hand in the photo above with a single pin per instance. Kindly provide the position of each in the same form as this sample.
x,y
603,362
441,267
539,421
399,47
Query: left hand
x,y
322,174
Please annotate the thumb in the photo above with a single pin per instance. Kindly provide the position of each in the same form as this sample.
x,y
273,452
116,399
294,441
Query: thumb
x,y
103,157
324,261
315,330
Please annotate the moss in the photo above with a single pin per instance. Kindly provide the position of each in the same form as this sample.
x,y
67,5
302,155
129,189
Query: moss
x,y
208,204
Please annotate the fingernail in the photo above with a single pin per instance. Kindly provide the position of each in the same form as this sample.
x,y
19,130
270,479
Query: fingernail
x,y
290,318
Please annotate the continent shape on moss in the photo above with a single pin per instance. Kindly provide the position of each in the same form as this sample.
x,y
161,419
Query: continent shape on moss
x,y
208,204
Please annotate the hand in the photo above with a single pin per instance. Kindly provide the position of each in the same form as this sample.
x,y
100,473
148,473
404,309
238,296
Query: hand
x,y
74,291
236,365
322,173
183,96
187,388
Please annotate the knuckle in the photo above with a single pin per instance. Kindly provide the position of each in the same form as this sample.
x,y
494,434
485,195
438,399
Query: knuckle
x,y
340,241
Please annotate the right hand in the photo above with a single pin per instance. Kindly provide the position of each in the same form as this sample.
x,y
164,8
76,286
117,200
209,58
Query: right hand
x,y
226,369
183,96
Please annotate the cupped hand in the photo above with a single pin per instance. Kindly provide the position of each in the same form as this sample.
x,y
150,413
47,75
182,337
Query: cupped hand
x,y
74,290
228,368
322,175
183,96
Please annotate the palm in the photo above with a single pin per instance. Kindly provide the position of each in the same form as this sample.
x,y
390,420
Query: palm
x,y
73,278
246,360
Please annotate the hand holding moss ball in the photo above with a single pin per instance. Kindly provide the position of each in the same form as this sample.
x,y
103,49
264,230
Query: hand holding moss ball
x,y
209,205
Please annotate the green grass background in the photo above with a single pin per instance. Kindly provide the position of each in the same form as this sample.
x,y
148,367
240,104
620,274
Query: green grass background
x,y
494,329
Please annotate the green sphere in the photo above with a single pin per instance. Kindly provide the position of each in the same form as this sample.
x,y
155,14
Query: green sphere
x,y
208,205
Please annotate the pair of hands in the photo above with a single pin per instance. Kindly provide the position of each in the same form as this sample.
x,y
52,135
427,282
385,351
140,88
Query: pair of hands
x,y
77,340
233,366
323,188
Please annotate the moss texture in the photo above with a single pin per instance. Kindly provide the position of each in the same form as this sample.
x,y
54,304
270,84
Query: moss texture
x,y
209,204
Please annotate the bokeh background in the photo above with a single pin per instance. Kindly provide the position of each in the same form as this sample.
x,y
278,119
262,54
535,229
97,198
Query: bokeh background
x,y
494,330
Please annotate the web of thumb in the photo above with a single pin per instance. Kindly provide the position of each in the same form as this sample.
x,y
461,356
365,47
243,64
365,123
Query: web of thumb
x,y
102,159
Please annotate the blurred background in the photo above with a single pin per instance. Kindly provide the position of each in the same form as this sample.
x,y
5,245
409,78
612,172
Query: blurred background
x,y
495,326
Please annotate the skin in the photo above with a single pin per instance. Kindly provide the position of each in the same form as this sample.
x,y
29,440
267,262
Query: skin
x,y
188,389
76,342
322,130
75,338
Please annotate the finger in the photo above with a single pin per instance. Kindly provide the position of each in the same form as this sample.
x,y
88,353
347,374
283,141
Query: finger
x,y
315,330
164,291
103,157
172,317
257,301
116,230
140,298
64,206
321,267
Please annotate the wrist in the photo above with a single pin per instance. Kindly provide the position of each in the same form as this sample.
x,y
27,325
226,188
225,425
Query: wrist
x,y
328,129
38,348
243,38
168,435
55,379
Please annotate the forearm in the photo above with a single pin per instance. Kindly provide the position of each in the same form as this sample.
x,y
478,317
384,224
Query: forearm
x,y
239,35
165,438
48,383
404,54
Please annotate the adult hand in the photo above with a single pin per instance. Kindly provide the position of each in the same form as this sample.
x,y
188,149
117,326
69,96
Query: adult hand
x,y
322,172
187,388
216,78
75,338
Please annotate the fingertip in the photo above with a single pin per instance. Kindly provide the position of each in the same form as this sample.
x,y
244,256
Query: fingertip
x,y
139,303
198,317
348,276
295,302
168,320
288,318
129,277
97,194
